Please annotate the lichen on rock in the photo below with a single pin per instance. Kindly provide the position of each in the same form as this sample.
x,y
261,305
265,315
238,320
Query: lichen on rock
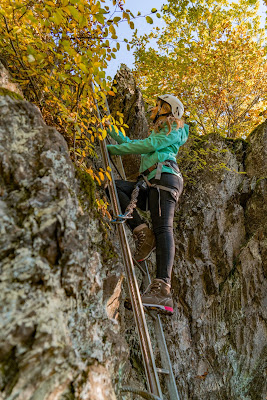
x,y
219,275
7,86
57,338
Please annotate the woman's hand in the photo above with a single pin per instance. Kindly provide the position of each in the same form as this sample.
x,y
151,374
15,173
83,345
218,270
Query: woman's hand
x,y
107,123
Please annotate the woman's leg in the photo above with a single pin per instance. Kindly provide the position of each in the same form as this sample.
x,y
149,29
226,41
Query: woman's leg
x,y
145,239
163,223
124,189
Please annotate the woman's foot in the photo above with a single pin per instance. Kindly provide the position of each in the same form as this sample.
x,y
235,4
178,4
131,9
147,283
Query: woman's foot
x,y
146,242
158,297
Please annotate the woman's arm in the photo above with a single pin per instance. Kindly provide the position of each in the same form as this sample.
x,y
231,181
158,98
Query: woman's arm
x,y
152,143
119,137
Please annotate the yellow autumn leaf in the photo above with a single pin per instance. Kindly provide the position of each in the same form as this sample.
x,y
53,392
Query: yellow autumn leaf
x,y
112,29
90,172
97,179
104,133
108,175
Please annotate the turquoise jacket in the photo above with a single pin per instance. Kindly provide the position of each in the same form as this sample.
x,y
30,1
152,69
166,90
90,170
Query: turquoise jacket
x,y
157,147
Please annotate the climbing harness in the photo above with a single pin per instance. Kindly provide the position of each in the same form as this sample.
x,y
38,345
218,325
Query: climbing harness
x,y
151,371
169,163
159,165
143,183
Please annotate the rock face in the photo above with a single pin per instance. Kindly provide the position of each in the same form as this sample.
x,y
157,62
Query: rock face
x,y
217,336
218,333
60,332
62,318
129,100
6,84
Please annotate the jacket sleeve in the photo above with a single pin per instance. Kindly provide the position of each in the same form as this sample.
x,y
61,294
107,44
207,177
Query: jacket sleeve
x,y
119,137
150,144
184,134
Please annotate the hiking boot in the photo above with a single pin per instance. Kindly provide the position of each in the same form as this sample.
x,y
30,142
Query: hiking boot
x,y
146,242
158,297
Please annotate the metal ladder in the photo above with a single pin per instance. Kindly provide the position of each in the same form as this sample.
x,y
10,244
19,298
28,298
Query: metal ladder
x,y
151,370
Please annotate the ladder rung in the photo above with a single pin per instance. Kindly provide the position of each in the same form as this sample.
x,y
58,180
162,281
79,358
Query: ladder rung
x,y
163,371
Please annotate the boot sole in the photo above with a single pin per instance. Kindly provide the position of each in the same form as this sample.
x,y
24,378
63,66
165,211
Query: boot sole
x,y
160,309
149,254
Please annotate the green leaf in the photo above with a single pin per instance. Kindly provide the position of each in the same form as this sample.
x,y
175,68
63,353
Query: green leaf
x,y
149,20
57,17
83,67
154,10
75,13
100,18
131,25
158,15
30,49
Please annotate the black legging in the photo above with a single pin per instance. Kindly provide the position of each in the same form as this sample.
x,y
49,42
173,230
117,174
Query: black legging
x,y
162,224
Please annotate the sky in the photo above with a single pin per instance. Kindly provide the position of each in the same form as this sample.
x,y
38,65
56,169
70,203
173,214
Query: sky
x,y
123,31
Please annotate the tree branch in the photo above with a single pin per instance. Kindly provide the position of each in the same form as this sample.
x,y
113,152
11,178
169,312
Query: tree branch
x,y
21,62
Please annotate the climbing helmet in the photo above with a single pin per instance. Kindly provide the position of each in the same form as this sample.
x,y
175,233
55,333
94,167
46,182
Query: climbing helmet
x,y
176,104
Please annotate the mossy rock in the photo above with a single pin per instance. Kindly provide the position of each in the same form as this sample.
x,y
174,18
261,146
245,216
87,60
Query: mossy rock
x,y
12,95
87,187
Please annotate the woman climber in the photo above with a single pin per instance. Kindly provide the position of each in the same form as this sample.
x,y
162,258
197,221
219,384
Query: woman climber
x,y
164,184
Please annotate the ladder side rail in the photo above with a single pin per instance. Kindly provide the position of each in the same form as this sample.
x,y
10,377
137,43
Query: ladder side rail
x,y
145,342
118,159
163,349
165,359
144,338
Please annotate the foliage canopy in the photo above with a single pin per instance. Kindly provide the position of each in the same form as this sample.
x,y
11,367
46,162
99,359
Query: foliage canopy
x,y
211,57
55,50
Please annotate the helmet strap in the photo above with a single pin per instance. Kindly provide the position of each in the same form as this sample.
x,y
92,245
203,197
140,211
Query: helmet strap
x,y
160,115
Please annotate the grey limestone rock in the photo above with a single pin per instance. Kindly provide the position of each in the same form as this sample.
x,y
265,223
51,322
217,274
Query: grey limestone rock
x,y
217,337
7,85
129,100
60,332
218,333
62,317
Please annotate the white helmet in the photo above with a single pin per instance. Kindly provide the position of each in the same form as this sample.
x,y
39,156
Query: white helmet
x,y
176,104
